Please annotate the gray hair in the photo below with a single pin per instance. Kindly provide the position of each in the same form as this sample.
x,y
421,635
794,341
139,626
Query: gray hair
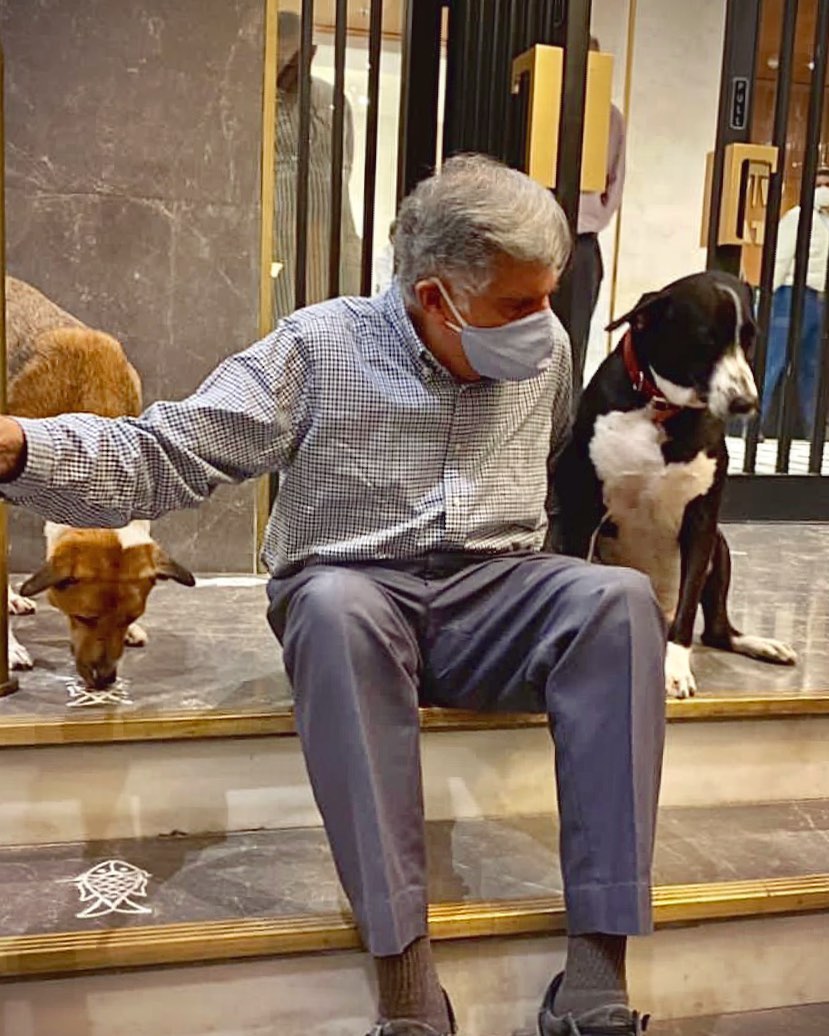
x,y
459,222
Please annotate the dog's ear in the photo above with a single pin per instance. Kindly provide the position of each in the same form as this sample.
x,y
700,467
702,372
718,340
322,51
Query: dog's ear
x,y
166,568
45,578
651,308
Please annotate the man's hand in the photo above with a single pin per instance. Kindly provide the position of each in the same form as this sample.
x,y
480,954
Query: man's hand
x,y
12,449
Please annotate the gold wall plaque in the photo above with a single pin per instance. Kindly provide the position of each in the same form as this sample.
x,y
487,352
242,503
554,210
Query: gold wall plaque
x,y
544,67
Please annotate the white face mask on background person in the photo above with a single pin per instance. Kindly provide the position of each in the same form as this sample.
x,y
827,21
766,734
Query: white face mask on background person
x,y
822,197
516,351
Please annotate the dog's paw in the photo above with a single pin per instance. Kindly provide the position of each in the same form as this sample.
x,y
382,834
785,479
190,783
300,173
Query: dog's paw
x,y
19,657
136,636
679,680
765,649
21,605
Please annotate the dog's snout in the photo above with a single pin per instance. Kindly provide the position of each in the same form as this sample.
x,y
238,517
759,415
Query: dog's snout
x,y
99,677
103,677
742,405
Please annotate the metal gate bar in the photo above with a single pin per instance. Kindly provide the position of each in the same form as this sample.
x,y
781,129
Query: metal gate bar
x,y
337,127
304,154
420,75
373,123
742,23
819,430
782,102
804,233
571,136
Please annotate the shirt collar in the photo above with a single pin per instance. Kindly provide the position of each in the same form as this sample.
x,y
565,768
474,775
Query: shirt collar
x,y
394,306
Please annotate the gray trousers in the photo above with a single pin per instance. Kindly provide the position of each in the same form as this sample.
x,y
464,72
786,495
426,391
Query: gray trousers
x,y
366,644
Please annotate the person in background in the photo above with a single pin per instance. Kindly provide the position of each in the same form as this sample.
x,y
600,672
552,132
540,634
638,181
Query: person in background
x,y
808,363
586,271
319,181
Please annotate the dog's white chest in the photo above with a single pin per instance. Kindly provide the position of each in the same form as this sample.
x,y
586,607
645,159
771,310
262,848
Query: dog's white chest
x,y
645,497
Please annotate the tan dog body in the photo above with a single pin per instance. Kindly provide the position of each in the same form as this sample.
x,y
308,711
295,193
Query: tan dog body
x,y
99,578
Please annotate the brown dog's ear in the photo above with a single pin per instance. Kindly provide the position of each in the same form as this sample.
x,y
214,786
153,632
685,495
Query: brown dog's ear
x,y
45,578
651,307
166,568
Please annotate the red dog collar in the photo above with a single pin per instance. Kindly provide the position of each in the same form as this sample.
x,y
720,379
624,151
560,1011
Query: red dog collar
x,y
662,409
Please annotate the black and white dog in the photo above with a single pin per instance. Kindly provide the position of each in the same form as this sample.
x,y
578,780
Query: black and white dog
x,y
641,480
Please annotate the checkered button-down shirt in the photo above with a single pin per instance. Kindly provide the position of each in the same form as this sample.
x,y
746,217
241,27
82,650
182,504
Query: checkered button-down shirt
x,y
382,453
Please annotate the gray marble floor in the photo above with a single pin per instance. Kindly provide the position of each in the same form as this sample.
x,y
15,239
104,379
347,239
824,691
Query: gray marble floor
x,y
211,649
805,1020
780,588
290,873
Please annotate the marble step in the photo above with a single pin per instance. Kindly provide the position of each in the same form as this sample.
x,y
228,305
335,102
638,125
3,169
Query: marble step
x,y
213,669
144,789
804,1020
496,985
733,886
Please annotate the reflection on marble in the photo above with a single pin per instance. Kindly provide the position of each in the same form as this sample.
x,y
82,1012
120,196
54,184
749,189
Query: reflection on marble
x,y
780,588
210,648
290,872
133,165
805,1020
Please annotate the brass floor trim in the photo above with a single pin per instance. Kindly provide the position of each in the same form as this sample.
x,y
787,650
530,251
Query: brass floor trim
x,y
19,731
198,942
759,706
31,731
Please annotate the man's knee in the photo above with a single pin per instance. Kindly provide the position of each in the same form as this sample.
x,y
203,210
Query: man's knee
x,y
331,597
607,593
631,585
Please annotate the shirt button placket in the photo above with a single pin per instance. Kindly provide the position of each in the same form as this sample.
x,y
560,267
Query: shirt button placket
x,y
452,481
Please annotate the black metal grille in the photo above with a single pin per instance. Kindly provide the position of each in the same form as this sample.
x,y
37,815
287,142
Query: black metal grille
x,y
783,424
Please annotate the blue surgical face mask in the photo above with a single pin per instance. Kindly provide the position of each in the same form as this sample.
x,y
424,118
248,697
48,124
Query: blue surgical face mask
x,y
512,352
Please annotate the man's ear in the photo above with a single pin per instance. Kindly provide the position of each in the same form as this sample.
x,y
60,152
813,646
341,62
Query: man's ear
x,y
648,311
431,301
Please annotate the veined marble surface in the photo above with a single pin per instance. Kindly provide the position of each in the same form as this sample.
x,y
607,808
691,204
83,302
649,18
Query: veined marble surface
x,y
804,1020
780,588
211,648
133,152
290,873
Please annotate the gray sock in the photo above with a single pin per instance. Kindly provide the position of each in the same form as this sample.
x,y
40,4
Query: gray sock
x,y
409,987
594,974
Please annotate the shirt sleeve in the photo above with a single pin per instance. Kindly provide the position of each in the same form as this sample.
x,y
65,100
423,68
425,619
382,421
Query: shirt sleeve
x,y
245,420
786,246
612,197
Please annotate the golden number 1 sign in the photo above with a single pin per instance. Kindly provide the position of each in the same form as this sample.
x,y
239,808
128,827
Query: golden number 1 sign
x,y
544,68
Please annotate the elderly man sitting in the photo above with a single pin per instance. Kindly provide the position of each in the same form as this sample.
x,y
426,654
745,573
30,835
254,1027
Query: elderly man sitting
x,y
412,434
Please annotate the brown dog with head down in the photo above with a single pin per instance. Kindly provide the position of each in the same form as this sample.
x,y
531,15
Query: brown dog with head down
x,y
99,578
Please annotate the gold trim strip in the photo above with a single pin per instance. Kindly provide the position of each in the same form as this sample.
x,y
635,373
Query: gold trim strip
x,y
266,217
195,942
8,683
32,731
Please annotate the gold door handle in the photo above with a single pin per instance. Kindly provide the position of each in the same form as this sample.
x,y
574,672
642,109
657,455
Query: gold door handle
x,y
543,66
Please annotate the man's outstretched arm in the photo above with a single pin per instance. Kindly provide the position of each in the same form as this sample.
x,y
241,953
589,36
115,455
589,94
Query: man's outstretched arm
x,y
245,420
